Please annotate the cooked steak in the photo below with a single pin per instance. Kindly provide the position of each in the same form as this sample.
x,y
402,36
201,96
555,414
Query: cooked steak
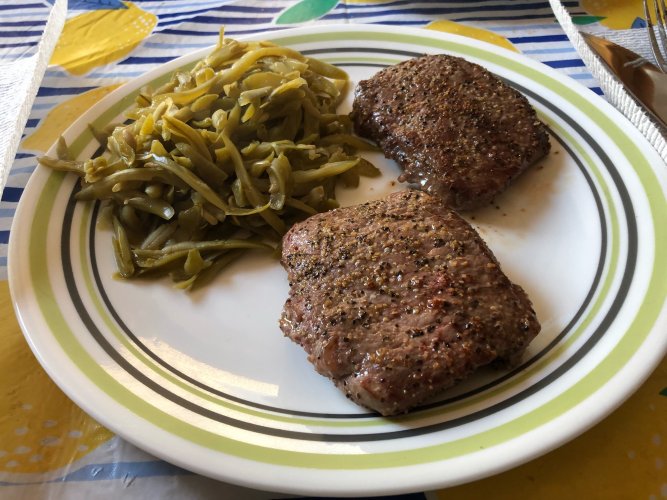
x,y
457,130
395,300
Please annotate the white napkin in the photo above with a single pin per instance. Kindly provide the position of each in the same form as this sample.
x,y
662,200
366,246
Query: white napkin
x,y
635,40
19,82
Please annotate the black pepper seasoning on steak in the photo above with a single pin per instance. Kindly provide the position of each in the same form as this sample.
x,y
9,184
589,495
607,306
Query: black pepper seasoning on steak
x,y
457,130
398,299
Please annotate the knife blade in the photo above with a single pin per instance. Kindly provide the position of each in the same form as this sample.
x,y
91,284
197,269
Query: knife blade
x,y
640,78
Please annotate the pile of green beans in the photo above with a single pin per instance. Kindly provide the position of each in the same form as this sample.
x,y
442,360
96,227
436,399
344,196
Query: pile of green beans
x,y
221,159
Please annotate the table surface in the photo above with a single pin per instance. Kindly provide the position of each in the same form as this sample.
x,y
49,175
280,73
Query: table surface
x,y
49,448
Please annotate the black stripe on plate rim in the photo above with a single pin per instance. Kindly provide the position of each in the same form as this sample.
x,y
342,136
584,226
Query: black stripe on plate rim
x,y
334,437
435,404
627,278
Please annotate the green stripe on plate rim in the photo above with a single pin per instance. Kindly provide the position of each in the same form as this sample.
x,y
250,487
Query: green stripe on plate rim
x,y
584,388
371,422
111,325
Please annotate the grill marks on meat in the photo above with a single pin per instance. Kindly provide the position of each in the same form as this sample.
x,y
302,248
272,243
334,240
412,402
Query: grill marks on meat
x,y
457,130
398,299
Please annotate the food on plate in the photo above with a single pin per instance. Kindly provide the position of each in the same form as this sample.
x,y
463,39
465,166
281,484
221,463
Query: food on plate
x,y
396,300
223,157
457,130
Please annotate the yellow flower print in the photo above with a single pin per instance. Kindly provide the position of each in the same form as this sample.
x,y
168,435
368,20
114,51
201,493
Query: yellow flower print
x,y
40,428
99,37
617,14
471,32
61,117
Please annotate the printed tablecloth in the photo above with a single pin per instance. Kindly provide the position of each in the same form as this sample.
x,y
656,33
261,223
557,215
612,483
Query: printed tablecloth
x,y
49,448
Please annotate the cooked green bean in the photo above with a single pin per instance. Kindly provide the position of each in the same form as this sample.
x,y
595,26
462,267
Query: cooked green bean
x,y
326,170
122,251
186,246
150,205
158,237
221,159
103,188
279,176
183,130
207,169
192,180
76,167
62,150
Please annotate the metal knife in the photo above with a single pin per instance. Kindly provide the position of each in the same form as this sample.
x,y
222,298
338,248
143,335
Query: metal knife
x,y
640,78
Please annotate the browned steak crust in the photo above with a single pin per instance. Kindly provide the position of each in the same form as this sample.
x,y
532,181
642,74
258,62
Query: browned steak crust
x,y
395,300
457,130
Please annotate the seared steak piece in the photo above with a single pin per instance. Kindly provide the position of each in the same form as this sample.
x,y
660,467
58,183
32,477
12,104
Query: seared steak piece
x,y
457,130
398,299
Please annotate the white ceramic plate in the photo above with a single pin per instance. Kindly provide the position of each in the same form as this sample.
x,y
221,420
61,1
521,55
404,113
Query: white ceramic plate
x,y
207,381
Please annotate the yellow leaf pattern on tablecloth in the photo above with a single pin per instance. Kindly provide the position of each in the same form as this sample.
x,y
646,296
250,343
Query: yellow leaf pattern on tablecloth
x,y
471,32
62,116
631,442
41,429
618,14
101,36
